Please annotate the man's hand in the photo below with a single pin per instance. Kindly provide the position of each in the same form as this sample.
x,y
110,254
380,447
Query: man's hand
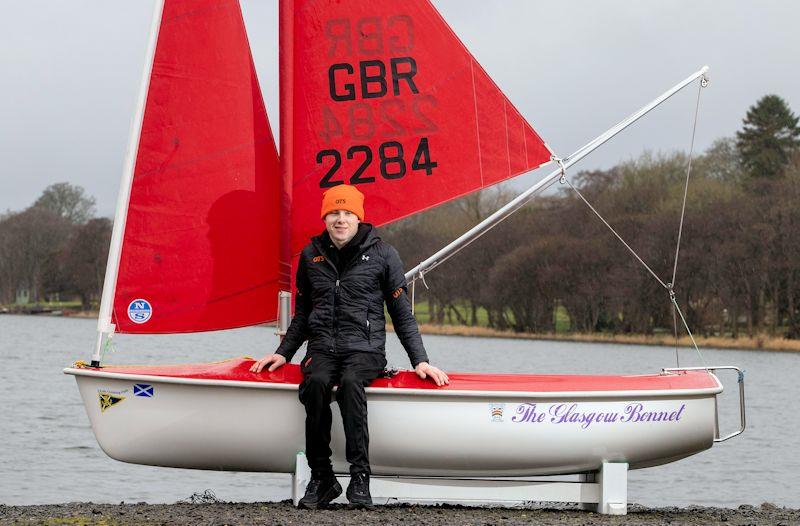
x,y
424,370
273,360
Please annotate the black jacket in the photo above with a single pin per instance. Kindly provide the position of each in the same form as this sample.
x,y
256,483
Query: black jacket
x,y
342,312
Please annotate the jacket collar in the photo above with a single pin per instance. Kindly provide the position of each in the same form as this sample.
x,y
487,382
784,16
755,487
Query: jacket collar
x,y
366,236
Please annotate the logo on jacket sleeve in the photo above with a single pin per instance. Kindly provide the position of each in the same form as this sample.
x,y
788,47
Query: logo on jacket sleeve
x,y
318,259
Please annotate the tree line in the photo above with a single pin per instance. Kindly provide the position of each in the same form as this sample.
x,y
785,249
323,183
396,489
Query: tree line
x,y
737,270
55,249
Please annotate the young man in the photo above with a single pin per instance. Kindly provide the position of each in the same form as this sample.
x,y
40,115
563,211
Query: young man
x,y
344,276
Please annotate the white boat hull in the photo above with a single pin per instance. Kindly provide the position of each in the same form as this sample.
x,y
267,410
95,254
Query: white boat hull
x,y
248,426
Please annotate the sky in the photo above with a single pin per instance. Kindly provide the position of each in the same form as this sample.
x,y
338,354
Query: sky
x,y
70,71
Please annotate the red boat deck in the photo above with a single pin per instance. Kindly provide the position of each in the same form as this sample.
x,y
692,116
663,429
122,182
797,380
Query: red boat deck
x,y
238,369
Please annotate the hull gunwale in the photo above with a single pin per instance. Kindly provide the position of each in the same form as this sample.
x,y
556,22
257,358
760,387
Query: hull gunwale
x,y
241,384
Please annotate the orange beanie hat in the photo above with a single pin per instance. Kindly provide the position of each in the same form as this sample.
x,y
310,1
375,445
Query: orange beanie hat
x,y
343,197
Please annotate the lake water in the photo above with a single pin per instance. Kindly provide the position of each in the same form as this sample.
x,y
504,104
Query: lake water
x,y
49,454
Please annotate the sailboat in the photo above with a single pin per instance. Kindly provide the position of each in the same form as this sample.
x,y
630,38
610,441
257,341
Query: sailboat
x,y
210,222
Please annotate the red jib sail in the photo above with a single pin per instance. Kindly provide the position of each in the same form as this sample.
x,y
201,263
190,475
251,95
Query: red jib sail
x,y
383,95
200,249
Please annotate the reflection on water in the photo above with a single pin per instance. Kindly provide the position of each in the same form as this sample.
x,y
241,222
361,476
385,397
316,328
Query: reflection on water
x,y
49,454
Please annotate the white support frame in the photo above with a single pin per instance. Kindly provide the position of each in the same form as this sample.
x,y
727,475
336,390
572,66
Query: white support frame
x,y
605,491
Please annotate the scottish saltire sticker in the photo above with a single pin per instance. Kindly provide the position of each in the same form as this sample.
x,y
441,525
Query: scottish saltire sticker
x,y
143,390
109,400
139,311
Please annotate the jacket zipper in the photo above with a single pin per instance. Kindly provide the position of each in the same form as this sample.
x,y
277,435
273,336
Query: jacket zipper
x,y
334,324
344,270
334,320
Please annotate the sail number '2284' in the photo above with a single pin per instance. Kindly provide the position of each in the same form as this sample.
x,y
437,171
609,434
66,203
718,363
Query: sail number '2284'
x,y
391,161
375,102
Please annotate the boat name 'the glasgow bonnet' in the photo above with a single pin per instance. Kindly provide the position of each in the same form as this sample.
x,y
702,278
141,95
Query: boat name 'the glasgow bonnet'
x,y
588,414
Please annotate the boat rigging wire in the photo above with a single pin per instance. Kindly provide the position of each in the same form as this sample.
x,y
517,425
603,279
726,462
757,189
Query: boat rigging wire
x,y
633,252
560,174
522,199
669,286
108,347
688,330
703,84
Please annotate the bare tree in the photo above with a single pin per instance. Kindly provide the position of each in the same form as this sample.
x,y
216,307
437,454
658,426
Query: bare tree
x,y
31,243
84,260
67,201
738,260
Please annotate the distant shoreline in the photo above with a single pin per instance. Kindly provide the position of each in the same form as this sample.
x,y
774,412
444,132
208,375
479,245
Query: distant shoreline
x,y
83,314
758,343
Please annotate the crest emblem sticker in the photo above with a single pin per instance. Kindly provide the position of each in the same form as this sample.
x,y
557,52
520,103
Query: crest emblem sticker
x,y
109,400
497,412
139,311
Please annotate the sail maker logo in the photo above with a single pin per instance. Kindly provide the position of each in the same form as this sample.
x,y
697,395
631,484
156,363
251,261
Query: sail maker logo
x,y
140,311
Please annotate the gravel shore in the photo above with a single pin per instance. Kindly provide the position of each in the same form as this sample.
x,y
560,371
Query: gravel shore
x,y
284,513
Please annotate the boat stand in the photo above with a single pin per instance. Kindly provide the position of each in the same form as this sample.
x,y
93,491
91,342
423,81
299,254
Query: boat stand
x,y
604,491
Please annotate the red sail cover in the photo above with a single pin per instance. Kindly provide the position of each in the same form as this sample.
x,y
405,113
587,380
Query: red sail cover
x,y
200,248
383,95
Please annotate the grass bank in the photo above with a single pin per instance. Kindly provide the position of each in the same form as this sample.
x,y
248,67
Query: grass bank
x,y
54,308
761,343
451,326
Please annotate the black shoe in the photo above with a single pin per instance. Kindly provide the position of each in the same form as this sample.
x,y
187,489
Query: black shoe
x,y
320,492
358,492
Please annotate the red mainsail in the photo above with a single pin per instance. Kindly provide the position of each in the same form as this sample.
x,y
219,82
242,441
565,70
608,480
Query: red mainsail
x,y
383,95
200,249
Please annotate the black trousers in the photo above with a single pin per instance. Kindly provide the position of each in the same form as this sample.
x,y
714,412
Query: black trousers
x,y
352,372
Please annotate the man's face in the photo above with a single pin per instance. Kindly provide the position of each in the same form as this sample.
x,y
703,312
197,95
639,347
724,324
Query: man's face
x,y
341,225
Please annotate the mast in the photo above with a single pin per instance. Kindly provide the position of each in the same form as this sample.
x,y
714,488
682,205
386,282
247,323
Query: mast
x,y
105,327
522,199
286,88
286,154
